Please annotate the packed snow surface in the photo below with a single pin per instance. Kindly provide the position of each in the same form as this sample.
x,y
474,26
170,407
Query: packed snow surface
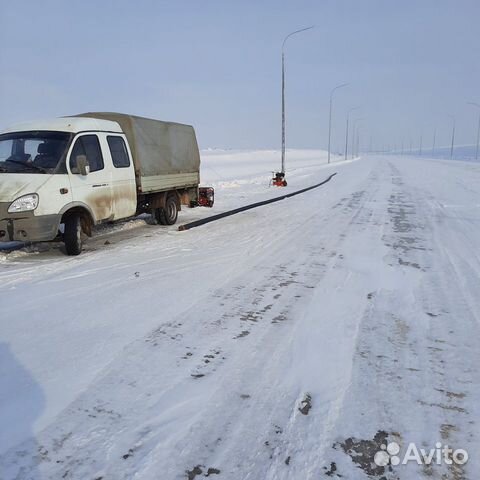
x,y
286,342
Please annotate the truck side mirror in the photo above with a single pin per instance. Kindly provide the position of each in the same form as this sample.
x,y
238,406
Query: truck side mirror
x,y
83,168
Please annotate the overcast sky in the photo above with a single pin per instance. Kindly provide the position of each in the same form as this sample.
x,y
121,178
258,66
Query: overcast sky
x,y
216,64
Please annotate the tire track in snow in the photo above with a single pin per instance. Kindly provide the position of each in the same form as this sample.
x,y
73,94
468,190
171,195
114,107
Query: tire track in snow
x,y
408,345
117,437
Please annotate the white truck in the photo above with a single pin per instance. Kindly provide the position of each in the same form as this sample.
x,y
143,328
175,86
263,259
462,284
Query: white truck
x,y
59,178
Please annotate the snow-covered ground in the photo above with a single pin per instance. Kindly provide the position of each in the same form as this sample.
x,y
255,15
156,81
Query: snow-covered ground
x,y
286,342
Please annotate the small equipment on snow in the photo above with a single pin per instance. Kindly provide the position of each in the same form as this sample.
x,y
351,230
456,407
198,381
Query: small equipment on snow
x,y
278,179
206,196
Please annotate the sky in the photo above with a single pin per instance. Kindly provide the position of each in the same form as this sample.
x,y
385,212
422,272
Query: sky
x,y
216,64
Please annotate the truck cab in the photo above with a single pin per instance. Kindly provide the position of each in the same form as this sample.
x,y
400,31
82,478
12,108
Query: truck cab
x,y
52,169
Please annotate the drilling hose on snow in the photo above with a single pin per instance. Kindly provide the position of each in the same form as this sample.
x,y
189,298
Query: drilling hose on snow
x,y
213,218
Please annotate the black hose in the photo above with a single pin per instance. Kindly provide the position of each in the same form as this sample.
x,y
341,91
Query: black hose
x,y
213,218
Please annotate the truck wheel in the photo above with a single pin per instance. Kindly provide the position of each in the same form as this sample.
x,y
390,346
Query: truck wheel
x,y
170,212
72,235
159,216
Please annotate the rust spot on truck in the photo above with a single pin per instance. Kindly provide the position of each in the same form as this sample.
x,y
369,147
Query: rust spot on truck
x,y
101,203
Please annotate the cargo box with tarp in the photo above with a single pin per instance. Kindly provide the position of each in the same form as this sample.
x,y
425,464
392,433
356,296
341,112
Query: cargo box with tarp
x,y
165,154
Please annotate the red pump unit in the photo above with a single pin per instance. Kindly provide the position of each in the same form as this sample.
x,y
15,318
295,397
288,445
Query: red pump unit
x,y
278,179
206,196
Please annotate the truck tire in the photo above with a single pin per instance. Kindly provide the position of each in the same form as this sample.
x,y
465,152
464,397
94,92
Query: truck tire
x,y
72,236
159,216
170,212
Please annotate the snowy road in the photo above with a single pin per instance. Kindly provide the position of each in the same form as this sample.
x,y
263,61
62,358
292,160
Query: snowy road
x,y
288,342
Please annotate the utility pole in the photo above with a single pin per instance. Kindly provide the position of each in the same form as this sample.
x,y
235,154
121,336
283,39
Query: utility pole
x,y
330,116
453,135
354,133
434,140
283,93
478,129
353,140
346,130
358,141
421,145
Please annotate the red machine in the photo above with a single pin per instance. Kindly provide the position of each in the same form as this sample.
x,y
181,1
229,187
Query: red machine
x,y
278,179
206,196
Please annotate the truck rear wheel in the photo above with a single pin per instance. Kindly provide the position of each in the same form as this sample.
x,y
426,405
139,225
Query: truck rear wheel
x,y
72,235
167,215
170,212
159,216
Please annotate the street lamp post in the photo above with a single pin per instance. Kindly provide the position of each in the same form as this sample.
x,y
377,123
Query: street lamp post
x,y
283,95
453,135
346,131
353,134
358,140
330,116
478,129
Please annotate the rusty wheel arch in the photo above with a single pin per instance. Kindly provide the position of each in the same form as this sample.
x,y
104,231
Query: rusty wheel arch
x,y
158,200
86,218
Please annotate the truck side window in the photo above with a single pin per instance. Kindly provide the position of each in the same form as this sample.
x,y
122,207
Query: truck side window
x,y
118,151
89,146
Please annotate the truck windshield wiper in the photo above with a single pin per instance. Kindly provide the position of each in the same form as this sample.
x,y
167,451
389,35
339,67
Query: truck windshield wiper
x,y
28,165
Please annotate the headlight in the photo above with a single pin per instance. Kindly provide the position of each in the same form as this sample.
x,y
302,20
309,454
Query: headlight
x,y
24,204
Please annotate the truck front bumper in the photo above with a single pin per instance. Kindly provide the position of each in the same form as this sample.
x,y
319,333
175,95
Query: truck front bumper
x,y
26,227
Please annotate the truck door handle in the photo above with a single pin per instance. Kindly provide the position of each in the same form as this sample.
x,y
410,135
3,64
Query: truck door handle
x,y
100,185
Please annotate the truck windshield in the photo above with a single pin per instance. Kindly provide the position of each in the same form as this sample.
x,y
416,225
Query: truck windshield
x,y
33,152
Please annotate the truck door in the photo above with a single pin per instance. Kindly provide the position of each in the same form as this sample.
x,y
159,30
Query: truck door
x,y
93,189
124,187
